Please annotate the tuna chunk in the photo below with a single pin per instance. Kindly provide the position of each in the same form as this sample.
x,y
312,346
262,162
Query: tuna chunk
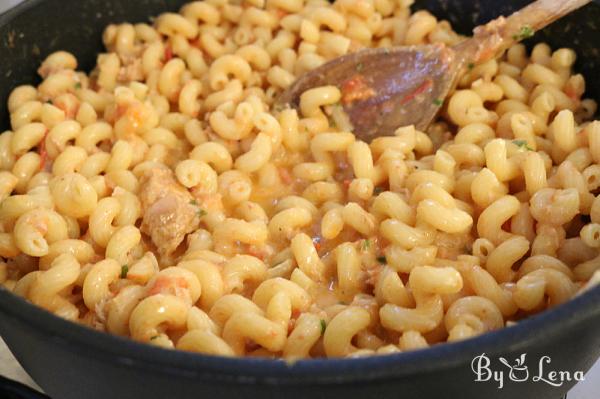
x,y
169,210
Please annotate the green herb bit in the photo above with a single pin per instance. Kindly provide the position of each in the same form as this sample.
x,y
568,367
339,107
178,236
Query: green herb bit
x,y
279,107
200,212
378,190
359,67
154,337
438,102
524,33
382,260
470,65
366,244
323,326
78,85
124,271
331,121
522,144
333,111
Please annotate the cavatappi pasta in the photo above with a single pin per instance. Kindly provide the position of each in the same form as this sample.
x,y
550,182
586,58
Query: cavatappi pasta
x,y
162,197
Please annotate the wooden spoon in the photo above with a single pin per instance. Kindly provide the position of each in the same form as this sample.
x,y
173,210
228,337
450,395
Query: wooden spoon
x,y
385,88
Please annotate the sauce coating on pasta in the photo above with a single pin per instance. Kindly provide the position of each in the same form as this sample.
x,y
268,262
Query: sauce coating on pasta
x,y
163,198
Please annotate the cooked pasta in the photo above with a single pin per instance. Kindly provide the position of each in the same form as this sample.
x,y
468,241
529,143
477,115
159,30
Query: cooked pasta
x,y
163,197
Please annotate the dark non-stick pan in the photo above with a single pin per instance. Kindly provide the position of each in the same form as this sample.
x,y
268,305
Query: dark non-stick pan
x,y
73,362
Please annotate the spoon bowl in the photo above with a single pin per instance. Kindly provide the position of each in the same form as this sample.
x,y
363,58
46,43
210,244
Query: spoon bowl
x,y
386,88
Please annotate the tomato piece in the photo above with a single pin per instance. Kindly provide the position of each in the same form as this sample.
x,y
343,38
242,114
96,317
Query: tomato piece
x,y
422,88
168,53
43,151
356,88
167,285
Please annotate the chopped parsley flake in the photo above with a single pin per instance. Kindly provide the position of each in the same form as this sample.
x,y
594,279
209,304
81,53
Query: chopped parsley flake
x,y
438,102
278,107
323,326
378,190
524,33
366,244
124,271
331,121
381,259
359,67
331,113
200,212
470,65
522,144
78,85
154,337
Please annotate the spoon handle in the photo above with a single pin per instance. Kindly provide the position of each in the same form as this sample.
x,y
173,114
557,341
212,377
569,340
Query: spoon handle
x,y
493,38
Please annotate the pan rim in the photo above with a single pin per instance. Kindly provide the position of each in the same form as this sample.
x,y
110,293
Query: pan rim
x,y
108,347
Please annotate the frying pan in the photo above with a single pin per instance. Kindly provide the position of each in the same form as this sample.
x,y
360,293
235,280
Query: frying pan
x,y
74,362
